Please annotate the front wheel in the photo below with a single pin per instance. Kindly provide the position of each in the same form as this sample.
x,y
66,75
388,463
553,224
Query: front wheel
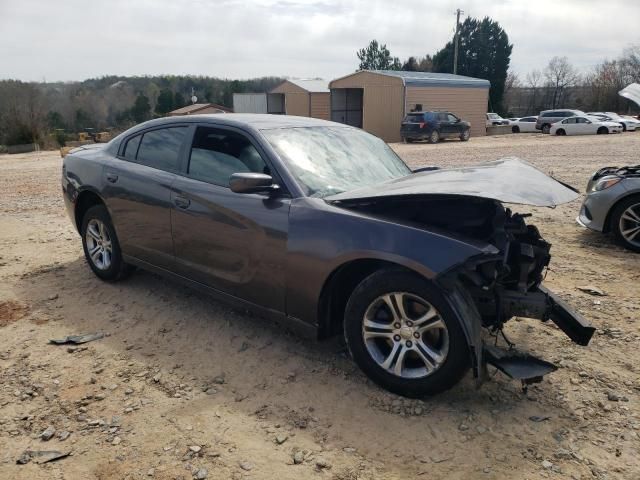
x,y
625,223
101,246
464,136
515,129
603,130
404,336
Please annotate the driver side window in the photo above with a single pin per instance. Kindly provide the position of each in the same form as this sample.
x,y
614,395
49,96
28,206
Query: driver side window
x,y
216,154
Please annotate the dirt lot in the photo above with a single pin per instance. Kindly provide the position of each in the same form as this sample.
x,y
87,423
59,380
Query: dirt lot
x,y
184,387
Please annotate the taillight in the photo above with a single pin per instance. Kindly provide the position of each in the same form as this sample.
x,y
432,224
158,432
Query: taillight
x,y
422,124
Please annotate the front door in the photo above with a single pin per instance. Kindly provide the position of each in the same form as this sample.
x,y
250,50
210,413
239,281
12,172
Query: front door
x,y
235,243
137,193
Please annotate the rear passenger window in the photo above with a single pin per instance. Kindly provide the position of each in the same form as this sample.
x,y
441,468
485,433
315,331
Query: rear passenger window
x,y
160,148
131,148
216,154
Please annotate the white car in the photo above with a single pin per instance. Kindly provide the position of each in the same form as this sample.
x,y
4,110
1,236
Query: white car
x,y
584,125
495,119
524,124
628,124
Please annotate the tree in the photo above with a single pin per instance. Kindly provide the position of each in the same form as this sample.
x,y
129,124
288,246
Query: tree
x,y
164,104
377,57
178,100
141,109
484,52
559,74
413,64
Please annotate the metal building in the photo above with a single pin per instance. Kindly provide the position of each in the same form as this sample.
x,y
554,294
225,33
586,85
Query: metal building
x,y
378,100
305,98
198,108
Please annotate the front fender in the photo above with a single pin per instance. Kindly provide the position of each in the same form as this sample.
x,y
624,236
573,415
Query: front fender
x,y
322,237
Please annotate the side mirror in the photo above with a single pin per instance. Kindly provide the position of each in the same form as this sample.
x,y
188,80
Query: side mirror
x,y
252,183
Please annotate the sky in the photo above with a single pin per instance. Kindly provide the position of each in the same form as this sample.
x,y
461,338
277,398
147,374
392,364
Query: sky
x,y
65,40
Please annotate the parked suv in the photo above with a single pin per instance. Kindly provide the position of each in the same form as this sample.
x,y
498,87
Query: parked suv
x,y
549,117
433,126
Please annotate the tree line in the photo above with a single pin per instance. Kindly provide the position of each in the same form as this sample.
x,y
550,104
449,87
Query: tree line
x,y
484,52
39,112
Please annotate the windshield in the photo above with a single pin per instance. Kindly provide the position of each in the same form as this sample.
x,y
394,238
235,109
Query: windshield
x,y
330,160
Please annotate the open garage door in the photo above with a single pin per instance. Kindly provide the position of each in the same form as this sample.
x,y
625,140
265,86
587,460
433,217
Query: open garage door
x,y
346,106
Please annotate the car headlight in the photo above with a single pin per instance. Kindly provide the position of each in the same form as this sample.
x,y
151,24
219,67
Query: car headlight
x,y
605,182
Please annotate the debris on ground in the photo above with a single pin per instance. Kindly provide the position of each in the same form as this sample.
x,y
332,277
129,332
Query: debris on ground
x,y
41,456
591,290
78,339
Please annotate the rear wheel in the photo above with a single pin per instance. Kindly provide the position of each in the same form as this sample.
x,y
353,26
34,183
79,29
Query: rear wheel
x,y
464,136
603,130
545,128
515,129
625,223
101,246
434,137
402,333
560,132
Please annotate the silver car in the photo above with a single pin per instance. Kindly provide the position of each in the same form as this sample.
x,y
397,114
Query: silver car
x,y
612,204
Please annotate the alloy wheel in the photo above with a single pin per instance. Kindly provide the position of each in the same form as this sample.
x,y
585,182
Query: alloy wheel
x,y
630,224
405,335
99,244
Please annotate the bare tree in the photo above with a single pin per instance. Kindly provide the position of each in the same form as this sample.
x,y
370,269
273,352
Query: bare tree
x,y
534,82
560,74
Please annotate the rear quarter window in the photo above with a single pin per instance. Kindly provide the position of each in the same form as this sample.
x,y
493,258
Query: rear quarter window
x,y
160,148
415,118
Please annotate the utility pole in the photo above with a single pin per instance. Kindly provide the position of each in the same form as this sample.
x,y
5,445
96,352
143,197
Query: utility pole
x,y
455,42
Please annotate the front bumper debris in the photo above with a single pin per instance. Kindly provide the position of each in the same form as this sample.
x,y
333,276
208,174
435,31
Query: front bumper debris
x,y
518,365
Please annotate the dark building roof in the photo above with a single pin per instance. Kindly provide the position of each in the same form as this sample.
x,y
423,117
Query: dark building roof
x,y
431,79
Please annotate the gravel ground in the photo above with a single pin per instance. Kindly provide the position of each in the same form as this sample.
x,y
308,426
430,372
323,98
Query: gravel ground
x,y
184,387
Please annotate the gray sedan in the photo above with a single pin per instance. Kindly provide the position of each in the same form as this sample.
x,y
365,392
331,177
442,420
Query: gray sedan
x,y
612,204
322,227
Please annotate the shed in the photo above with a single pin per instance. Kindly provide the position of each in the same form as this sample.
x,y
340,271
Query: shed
x,y
378,100
258,103
198,108
305,97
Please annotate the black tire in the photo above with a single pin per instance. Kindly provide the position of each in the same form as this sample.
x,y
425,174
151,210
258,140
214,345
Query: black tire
x,y
464,136
617,228
434,137
603,131
624,127
457,359
560,132
117,269
545,128
515,129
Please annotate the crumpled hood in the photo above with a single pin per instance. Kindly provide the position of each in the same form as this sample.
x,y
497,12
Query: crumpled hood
x,y
508,180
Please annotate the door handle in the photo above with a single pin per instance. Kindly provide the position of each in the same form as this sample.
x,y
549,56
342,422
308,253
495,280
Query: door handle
x,y
182,202
112,177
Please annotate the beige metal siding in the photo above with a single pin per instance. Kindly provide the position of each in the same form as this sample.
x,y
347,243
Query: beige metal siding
x,y
470,104
320,105
296,104
382,103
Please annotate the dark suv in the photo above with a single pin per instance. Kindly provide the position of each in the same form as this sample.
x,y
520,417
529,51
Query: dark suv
x,y
432,126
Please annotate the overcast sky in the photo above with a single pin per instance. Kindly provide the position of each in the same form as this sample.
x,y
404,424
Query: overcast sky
x,y
79,39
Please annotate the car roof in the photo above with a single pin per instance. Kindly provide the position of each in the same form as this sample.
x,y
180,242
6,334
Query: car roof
x,y
257,121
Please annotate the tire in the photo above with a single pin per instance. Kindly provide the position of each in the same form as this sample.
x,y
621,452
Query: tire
x,y
560,132
434,137
464,136
622,220
98,234
603,131
515,129
624,127
545,128
443,337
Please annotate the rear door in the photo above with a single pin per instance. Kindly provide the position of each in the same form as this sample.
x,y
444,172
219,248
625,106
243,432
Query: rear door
x,y
137,192
235,243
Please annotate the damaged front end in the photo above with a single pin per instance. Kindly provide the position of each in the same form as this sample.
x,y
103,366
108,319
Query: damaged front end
x,y
466,204
509,285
